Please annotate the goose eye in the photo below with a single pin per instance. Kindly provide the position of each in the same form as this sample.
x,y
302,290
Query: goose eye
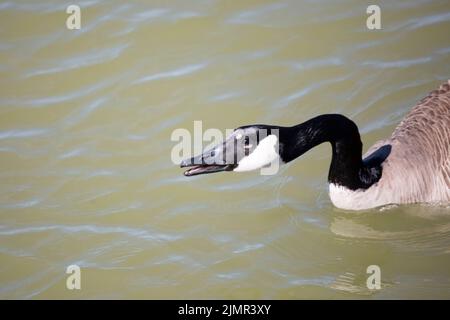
x,y
247,145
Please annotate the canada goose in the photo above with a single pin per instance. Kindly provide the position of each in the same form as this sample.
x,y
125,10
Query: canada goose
x,y
412,166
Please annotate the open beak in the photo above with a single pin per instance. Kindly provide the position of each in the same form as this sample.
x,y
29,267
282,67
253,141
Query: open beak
x,y
209,162
203,169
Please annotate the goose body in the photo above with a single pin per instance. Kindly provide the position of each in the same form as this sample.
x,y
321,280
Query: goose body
x,y
417,169
412,166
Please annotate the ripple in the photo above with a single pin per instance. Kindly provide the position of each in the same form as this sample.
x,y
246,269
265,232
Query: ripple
x,y
44,7
347,282
231,275
71,229
149,14
225,96
316,63
429,20
398,63
21,205
73,153
164,14
80,60
415,23
255,14
78,115
57,99
376,98
241,184
324,281
101,173
179,72
285,101
248,247
24,133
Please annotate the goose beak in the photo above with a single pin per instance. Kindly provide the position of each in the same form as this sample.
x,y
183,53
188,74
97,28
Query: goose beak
x,y
209,162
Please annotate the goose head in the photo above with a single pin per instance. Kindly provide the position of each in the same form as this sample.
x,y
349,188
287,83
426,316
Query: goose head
x,y
247,148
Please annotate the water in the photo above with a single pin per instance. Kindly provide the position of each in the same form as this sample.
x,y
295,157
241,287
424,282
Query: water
x,y
86,176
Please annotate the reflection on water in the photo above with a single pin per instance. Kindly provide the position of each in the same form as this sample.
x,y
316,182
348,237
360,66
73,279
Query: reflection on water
x,y
86,177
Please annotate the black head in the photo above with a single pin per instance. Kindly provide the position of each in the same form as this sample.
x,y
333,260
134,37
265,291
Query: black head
x,y
247,148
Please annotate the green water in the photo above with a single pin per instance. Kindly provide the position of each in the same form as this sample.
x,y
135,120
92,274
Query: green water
x,y
86,176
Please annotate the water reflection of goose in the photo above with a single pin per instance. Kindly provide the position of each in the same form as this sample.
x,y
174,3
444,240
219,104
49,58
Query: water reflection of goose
x,y
412,166
431,236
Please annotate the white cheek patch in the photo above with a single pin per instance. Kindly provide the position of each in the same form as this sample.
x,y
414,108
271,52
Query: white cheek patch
x,y
264,154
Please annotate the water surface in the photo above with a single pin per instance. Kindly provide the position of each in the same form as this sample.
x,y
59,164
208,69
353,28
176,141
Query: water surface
x,y
85,169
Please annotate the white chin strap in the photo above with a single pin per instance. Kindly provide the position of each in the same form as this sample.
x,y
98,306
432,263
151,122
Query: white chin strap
x,y
264,154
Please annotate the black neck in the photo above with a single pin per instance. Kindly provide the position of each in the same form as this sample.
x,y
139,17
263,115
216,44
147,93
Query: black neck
x,y
347,167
